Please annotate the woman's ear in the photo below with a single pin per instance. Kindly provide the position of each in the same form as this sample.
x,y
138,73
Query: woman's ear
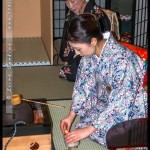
x,y
93,42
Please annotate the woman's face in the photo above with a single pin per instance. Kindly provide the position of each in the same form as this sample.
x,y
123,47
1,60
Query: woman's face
x,y
74,5
86,50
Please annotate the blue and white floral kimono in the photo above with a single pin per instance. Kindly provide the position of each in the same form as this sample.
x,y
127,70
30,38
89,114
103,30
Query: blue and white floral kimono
x,y
123,71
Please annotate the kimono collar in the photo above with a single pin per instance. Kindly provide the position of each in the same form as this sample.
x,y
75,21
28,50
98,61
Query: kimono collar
x,y
109,40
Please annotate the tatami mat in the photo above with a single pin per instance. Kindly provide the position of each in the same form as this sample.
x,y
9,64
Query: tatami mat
x,y
28,52
39,82
57,115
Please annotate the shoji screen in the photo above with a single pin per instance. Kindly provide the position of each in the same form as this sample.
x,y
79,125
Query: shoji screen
x,y
140,23
59,17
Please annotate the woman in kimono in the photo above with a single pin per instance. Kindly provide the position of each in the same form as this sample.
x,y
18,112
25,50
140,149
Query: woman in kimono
x,y
104,63
67,54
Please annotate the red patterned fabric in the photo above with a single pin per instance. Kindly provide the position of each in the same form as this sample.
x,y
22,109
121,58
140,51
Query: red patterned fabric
x,y
138,50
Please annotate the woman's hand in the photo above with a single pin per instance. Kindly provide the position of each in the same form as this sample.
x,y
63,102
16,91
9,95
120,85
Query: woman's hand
x,y
65,123
79,134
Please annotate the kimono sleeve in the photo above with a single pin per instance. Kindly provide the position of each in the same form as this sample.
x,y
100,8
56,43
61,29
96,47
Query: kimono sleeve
x,y
66,53
84,88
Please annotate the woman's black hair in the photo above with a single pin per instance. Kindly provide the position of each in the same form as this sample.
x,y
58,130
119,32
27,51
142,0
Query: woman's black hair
x,y
83,28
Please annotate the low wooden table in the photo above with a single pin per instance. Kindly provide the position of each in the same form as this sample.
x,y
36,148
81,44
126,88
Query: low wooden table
x,y
28,136
25,142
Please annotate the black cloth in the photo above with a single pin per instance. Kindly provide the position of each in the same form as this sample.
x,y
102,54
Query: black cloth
x,y
129,133
66,53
